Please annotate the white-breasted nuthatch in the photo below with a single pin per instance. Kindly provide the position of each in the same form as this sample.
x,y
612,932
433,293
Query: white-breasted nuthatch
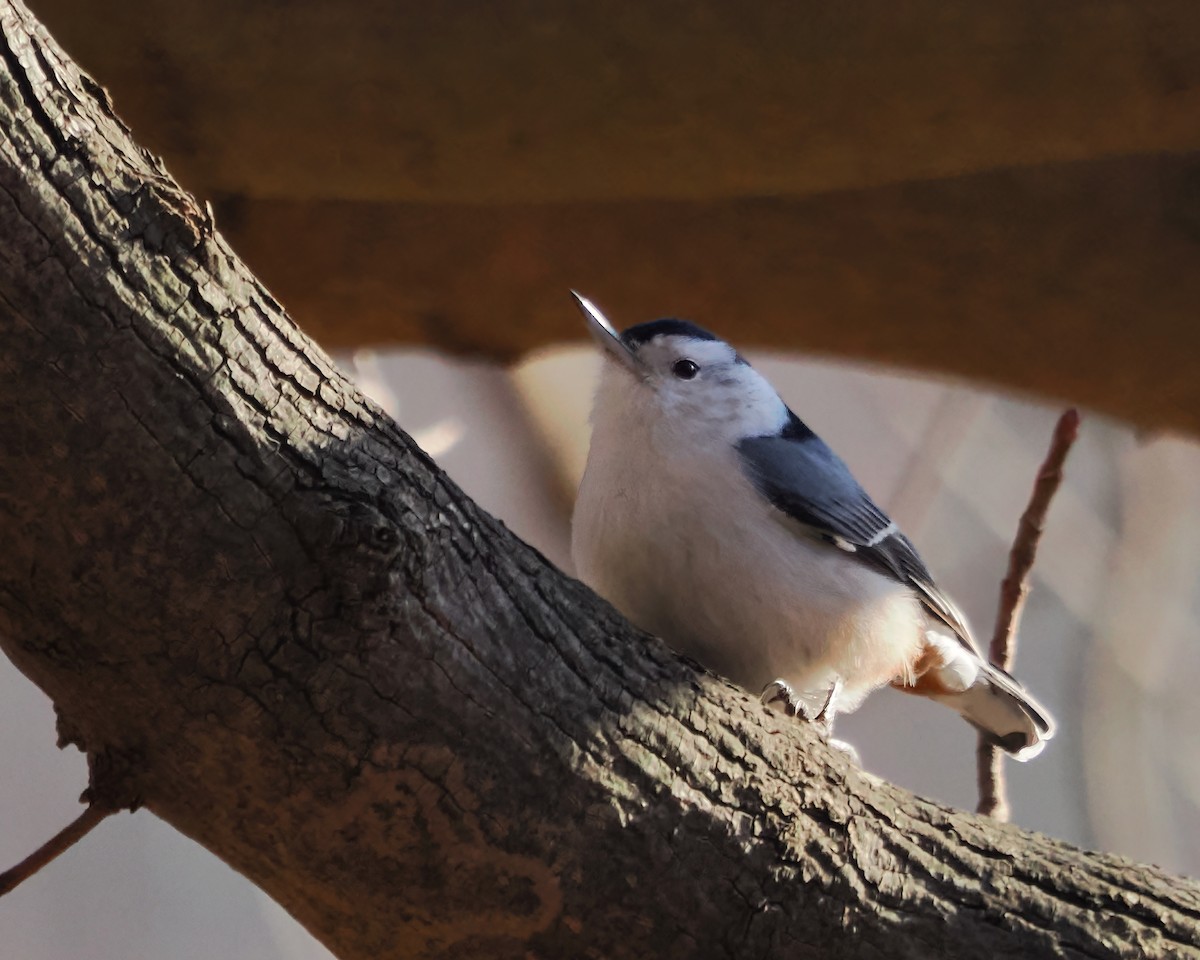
x,y
711,516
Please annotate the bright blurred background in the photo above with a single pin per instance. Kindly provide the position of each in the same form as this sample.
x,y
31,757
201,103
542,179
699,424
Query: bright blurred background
x,y
1108,641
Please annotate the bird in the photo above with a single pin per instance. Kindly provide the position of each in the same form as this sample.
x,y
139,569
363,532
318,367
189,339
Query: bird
x,y
713,517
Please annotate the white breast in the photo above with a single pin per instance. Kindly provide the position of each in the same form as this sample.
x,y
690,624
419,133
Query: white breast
x,y
679,540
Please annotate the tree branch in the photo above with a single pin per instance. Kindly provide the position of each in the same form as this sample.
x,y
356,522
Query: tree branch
x,y
1014,589
57,845
358,689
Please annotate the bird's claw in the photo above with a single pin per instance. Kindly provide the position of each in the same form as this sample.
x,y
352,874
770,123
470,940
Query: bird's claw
x,y
779,696
825,714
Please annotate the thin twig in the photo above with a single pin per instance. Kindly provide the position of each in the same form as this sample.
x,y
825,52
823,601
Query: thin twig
x,y
993,798
62,841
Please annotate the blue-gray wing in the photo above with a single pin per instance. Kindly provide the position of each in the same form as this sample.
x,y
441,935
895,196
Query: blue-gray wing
x,y
809,483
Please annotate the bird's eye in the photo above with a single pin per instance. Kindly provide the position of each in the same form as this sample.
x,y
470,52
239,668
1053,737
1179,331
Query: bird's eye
x,y
685,369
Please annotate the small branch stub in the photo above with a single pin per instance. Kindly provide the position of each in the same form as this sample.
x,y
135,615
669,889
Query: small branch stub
x,y
993,800
112,777
61,842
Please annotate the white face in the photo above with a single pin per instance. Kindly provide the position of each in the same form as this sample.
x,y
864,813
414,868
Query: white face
x,y
691,387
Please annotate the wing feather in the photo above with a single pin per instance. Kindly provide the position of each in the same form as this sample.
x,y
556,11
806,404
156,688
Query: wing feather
x,y
808,482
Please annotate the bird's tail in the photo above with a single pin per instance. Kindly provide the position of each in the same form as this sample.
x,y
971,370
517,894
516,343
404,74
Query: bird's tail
x,y
952,672
1003,712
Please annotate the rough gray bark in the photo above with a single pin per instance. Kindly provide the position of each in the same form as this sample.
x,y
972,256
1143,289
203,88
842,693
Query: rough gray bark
x,y
268,617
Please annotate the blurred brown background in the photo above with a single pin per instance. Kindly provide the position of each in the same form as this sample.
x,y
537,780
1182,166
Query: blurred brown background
x,y
1008,191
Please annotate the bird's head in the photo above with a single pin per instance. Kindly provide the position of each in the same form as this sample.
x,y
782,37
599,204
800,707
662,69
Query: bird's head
x,y
674,375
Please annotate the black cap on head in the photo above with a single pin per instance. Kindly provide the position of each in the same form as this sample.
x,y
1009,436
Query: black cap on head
x,y
635,336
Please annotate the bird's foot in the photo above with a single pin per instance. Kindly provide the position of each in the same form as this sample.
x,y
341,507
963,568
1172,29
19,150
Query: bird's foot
x,y
825,714
779,696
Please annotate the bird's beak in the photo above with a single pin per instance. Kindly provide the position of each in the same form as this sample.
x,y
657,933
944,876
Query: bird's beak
x,y
603,333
